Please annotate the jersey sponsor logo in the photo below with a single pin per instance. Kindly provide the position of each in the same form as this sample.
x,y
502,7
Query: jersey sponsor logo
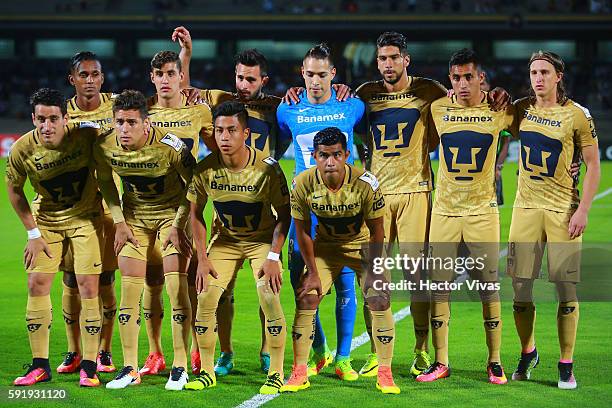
x,y
539,154
320,118
234,187
89,124
392,128
465,153
172,123
342,226
97,122
542,121
173,141
453,118
383,97
239,217
370,179
147,165
56,163
333,207
378,204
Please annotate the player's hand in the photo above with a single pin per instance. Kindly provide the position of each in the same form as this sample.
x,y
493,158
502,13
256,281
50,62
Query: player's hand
x,y
575,169
343,92
293,95
204,272
499,99
577,223
179,240
192,95
274,277
123,235
310,282
450,93
33,248
182,35
498,169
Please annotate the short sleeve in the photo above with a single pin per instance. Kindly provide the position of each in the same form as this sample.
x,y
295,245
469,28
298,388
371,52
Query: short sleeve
x,y
299,206
196,193
374,201
15,170
584,127
279,192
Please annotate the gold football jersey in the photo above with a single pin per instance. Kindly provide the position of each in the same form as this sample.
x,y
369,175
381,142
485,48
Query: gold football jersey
x,y
262,117
468,148
63,179
186,122
341,215
243,200
154,177
550,139
103,115
398,131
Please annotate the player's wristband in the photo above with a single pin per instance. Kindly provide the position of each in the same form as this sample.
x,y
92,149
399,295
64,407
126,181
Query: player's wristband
x,y
273,256
34,233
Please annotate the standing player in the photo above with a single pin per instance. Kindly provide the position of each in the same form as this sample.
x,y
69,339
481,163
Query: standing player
x,y
251,76
400,141
168,110
465,207
349,207
154,166
57,159
554,130
317,109
244,187
89,104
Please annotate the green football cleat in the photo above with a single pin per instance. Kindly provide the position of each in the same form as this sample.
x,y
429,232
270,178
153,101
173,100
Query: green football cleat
x,y
420,363
345,371
273,384
317,362
202,381
370,368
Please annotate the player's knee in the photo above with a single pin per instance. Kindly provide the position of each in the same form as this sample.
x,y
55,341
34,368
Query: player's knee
x,y
308,302
523,290
379,303
107,278
209,300
70,280
440,296
88,286
488,296
566,292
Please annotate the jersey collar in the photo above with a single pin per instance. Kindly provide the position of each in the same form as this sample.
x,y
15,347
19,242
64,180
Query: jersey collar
x,y
348,171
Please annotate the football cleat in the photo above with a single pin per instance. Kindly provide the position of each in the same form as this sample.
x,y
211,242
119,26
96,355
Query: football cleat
x,y
527,362
177,380
225,364
264,361
105,362
567,381
273,384
71,363
298,380
32,376
86,381
154,364
345,371
317,362
202,381
127,376
420,362
196,363
370,368
385,382
434,372
496,374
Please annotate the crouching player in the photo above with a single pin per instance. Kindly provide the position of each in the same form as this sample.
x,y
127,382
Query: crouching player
x,y
244,186
57,159
343,198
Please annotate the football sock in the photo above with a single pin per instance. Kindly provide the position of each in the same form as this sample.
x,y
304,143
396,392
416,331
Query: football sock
x,y
440,317
71,308
193,301
346,310
129,318
38,323
109,311
567,325
420,318
91,325
319,344
491,314
176,286
303,333
206,326
275,324
153,308
383,329
367,318
524,319
225,317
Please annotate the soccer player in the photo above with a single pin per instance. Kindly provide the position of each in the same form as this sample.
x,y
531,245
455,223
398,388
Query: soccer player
x,y
155,166
317,109
343,198
168,110
57,159
548,211
244,187
400,138
251,76
89,104
465,207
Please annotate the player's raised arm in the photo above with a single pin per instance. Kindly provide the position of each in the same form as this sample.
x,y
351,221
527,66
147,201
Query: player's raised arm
x,y
182,35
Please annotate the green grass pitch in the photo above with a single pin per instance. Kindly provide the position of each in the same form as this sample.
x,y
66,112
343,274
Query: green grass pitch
x,y
466,387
